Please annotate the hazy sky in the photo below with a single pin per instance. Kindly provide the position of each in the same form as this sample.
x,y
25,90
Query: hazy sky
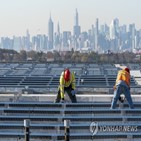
x,y
16,16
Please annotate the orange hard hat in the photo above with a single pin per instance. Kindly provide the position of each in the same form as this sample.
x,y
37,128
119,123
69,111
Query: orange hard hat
x,y
127,69
67,75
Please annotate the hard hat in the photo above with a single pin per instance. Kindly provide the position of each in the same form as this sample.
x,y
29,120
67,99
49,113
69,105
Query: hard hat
x,y
127,69
67,75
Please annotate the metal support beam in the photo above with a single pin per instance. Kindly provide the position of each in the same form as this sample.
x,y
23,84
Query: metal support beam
x,y
27,132
67,130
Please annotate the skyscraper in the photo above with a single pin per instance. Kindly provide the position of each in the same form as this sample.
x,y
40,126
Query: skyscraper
x,y
76,31
96,35
76,27
50,33
114,29
17,43
57,39
114,34
27,41
132,31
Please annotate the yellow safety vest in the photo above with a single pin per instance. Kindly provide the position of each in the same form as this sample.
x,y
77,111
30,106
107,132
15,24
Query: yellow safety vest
x,y
64,83
124,76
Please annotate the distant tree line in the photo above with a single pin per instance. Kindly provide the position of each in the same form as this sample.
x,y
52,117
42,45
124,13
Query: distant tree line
x,y
68,57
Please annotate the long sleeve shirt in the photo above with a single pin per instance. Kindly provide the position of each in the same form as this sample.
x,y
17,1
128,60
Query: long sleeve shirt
x,y
64,83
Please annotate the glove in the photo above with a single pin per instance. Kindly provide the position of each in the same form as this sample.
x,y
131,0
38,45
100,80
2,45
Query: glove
x,y
62,100
121,99
114,87
73,92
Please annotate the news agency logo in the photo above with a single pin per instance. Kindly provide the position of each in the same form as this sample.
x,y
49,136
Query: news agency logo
x,y
94,128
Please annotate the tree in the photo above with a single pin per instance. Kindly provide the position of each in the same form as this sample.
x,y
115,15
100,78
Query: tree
x,y
17,58
32,55
84,58
57,56
67,56
76,57
23,55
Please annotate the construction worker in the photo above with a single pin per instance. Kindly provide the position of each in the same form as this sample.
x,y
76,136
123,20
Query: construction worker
x,y
67,84
122,86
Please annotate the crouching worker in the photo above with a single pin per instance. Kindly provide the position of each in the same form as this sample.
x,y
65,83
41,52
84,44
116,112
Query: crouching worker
x,y
67,84
122,86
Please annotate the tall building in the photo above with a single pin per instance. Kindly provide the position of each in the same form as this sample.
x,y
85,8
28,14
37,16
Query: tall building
x,y
92,38
96,35
114,29
17,43
50,33
114,35
27,41
76,31
35,43
66,40
76,27
138,39
57,38
6,43
132,32
58,29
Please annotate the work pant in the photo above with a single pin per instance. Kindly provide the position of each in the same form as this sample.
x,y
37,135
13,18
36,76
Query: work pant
x,y
68,90
121,89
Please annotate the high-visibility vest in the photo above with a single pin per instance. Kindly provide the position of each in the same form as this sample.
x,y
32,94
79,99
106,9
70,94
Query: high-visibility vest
x,y
64,83
124,76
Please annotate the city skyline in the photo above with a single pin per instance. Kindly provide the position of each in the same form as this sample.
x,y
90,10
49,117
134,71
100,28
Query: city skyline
x,y
18,16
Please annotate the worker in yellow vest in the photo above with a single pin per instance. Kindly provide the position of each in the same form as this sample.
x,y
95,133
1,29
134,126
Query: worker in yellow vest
x,y
67,84
122,86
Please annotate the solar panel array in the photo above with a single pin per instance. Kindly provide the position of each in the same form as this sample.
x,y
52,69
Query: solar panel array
x,y
47,118
47,75
47,121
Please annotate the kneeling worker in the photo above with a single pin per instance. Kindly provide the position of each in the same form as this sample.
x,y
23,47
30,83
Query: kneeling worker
x,y
67,84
